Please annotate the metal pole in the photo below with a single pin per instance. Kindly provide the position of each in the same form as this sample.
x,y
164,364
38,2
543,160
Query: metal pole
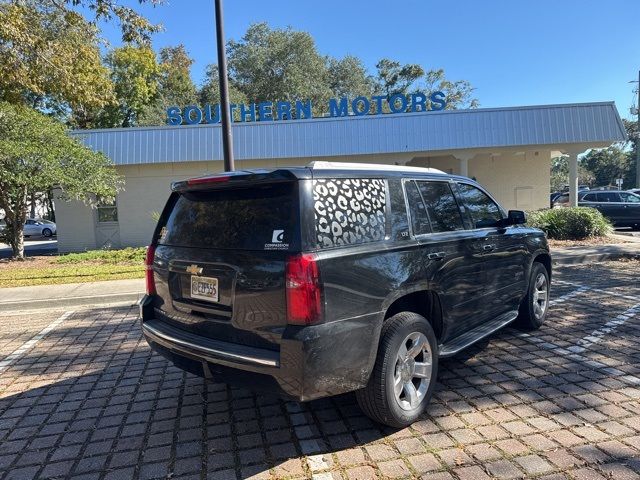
x,y
227,139
637,142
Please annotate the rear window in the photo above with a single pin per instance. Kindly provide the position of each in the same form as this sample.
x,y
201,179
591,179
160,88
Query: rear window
x,y
256,218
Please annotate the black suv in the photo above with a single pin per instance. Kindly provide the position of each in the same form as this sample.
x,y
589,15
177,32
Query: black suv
x,y
319,280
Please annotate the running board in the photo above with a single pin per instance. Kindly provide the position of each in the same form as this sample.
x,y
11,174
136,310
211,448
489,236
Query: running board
x,y
467,339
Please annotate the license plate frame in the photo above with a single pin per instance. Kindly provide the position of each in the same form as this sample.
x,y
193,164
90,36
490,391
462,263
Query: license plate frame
x,y
204,288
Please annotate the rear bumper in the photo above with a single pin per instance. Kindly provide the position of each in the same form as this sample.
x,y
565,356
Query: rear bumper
x,y
313,362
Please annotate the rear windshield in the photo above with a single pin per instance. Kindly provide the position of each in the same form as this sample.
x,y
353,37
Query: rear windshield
x,y
256,218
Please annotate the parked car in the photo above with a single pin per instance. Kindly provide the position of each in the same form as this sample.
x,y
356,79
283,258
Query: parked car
x,y
320,280
35,227
620,207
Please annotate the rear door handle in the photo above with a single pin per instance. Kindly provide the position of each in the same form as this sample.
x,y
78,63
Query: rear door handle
x,y
436,256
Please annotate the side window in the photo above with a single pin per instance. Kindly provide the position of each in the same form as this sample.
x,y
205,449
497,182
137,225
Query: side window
x,y
589,197
609,197
442,207
630,198
483,211
417,210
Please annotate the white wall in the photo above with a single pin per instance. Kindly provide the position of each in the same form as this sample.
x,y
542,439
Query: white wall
x,y
75,224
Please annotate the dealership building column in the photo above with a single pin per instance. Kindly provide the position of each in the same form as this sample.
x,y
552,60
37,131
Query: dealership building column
x,y
573,177
463,162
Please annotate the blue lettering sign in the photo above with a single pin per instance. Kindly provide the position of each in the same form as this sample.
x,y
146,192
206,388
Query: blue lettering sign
x,y
264,110
337,107
304,108
189,119
173,116
283,110
336,110
366,105
438,101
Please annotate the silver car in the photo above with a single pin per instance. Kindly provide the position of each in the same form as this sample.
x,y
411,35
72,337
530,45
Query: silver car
x,y
35,227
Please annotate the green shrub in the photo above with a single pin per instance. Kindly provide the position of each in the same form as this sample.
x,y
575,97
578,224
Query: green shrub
x,y
125,256
571,223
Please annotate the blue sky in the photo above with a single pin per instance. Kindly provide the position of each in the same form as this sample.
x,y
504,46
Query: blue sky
x,y
513,52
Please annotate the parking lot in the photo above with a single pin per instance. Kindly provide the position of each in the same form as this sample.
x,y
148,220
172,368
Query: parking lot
x,y
81,396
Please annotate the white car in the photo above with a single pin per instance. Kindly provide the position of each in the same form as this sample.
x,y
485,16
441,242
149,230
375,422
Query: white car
x,y
35,227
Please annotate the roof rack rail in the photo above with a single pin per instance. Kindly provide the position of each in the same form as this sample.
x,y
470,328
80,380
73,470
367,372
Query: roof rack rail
x,y
322,165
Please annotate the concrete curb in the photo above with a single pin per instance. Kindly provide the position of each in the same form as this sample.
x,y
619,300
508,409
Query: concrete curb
x,y
119,299
578,259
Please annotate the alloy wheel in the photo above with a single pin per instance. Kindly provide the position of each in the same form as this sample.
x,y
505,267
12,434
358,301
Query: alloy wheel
x,y
540,295
413,369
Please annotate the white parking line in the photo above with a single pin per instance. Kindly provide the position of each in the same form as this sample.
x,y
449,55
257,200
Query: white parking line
x,y
15,355
568,296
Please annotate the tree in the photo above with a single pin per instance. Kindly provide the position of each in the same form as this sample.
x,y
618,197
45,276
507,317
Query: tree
x,y
175,86
50,60
210,91
278,64
393,77
135,75
348,77
458,93
610,163
560,174
134,27
37,153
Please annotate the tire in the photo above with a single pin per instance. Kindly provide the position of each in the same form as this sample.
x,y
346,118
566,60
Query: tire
x,y
535,305
46,232
378,400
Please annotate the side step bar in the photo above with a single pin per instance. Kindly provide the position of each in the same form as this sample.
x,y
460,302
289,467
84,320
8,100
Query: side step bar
x,y
467,339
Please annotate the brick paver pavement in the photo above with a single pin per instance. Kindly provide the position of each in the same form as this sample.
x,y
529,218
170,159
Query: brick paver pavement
x,y
89,400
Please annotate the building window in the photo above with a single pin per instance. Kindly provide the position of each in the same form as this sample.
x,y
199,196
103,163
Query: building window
x,y
107,212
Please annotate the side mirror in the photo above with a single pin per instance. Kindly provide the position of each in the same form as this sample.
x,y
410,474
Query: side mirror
x,y
516,217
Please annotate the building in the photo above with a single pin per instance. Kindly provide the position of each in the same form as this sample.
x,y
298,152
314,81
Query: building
x,y
508,150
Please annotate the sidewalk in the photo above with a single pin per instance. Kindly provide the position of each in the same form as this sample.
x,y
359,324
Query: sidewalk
x,y
126,292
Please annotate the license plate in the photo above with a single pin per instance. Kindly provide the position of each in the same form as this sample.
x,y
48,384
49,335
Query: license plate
x,y
204,288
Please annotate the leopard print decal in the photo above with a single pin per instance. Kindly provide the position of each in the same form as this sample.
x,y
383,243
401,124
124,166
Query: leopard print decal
x,y
349,211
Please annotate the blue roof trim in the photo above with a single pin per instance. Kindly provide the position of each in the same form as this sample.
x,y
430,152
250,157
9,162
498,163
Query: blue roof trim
x,y
392,133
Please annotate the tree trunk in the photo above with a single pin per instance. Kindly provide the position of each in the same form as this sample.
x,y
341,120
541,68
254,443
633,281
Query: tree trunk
x,y
17,242
32,206
52,212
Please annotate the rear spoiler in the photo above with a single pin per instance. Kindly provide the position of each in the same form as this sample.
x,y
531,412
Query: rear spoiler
x,y
238,178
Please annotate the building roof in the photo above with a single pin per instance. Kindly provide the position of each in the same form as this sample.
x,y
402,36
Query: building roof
x,y
583,123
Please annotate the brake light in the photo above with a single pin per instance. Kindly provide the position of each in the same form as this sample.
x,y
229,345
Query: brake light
x,y
304,296
205,180
148,265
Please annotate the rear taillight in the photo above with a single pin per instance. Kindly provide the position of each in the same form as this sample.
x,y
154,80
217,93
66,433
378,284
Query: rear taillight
x,y
304,297
148,263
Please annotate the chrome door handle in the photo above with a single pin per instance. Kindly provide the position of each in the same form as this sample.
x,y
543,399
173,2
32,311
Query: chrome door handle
x,y
436,256
488,248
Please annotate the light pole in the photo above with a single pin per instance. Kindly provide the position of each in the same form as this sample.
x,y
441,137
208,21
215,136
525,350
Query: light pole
x,y
638,137
227,138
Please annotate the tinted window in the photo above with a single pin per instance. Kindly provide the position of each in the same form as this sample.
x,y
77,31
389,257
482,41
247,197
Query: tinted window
x,y
417,210
590,197
258,218
483,211
441,206
609,197
630,197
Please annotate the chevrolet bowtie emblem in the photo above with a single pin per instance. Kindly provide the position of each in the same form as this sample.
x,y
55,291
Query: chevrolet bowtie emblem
x,y
194,269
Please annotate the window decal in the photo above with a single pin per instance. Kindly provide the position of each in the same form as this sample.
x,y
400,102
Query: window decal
x,y
349,211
